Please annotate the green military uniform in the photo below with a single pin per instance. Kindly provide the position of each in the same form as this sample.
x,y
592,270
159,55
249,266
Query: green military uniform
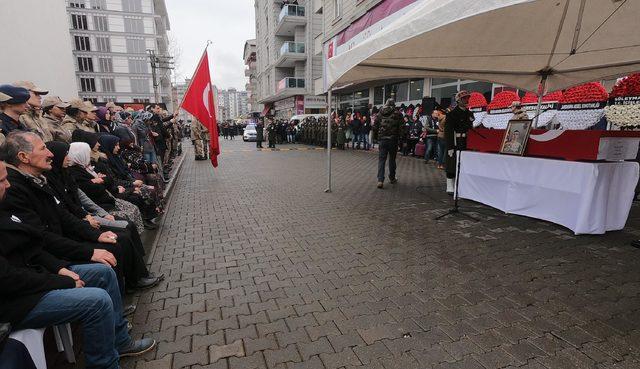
x,y
56,129
33,120
341,137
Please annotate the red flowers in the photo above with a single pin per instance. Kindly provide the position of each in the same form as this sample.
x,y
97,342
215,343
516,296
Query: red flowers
x,y
628,86
531,98
503,100
588,92
477,100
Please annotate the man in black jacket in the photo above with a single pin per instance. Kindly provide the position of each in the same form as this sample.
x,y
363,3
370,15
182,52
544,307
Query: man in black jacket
x,y
40,290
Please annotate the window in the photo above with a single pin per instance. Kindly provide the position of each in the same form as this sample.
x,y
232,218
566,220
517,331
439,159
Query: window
x,y
337,9
87,84
85,64
415,89
79,21
138,66
103,44
106,65
92,99
141,100
100,23
76,4
108,85
132,6
139,85
135,46
133,25
98,4
82,43
378,95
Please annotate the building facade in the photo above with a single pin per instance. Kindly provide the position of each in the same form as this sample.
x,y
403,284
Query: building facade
x,y
116,44
230,104
251,73
288,59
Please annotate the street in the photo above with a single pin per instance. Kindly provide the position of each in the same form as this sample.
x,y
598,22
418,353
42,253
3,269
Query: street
x,y
265,270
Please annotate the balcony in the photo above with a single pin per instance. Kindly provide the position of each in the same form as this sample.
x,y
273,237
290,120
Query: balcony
x,y
291,16
287,87
290,53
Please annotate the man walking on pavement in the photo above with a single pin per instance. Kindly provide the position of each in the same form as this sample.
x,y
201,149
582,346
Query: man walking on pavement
x,y
388,128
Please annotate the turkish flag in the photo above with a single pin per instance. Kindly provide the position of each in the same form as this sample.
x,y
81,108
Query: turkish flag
x,y
198,101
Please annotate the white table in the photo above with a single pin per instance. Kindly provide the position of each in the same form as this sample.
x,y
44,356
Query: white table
x,y
588,198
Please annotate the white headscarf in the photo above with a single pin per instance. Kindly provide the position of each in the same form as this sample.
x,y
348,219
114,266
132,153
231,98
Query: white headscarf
x,y
80,154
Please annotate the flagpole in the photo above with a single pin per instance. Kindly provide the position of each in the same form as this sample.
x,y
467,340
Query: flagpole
x,y
209,42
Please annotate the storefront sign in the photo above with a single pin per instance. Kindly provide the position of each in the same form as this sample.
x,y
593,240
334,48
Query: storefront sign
x,y
283,104
315,102
300,104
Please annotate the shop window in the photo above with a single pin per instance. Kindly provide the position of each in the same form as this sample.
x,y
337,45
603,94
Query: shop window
x,y
415,89
378,95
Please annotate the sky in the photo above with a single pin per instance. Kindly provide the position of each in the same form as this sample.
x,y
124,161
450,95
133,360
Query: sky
x,y
228,24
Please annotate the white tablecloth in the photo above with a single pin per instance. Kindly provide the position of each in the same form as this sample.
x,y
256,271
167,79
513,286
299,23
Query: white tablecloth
x,y
588,198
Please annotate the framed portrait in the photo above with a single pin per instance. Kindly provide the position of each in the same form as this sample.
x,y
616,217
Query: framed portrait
x,y
516,136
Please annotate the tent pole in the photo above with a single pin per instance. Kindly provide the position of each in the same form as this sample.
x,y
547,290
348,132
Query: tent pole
x,y
541,90
328,190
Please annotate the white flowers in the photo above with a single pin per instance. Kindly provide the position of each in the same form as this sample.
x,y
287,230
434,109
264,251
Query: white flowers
x,y
623,115
579,119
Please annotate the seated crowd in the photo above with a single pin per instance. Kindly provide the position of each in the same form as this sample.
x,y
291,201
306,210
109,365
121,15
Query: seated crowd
x,y
78,185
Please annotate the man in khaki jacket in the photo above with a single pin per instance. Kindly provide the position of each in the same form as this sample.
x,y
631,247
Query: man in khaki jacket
x,y
32,118
77,115
53,109
3,98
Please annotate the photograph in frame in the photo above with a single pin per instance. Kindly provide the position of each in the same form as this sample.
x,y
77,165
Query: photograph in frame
x,y
516,136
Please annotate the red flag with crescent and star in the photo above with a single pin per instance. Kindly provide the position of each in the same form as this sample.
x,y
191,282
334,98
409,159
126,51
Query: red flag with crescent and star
x,y
198,101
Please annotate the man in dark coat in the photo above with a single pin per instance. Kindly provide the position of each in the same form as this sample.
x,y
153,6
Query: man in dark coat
x,y
459,121
271,134
40,290
388,128
259,134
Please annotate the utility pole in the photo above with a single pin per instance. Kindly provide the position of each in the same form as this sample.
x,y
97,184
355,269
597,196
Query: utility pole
x,y
158,62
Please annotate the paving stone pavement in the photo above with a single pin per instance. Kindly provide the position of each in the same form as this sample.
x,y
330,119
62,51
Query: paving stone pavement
x,y
264,270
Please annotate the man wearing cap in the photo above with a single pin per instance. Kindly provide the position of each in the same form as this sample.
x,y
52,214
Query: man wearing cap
x,y
76,117
12,108
3,98
53,112
518,112
92,117
459,121
32,118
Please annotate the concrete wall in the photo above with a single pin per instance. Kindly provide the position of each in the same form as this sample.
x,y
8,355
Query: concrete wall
x,y
39,51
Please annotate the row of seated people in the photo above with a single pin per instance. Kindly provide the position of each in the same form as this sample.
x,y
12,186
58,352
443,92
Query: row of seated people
x,y
70,247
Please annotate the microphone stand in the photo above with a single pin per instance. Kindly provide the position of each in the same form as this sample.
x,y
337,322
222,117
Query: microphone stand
x,y
455,210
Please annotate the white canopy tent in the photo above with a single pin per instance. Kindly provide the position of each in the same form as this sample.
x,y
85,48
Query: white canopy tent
x,y
535,45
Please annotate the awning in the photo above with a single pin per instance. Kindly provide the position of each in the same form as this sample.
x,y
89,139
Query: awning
x,y
514,42
265,111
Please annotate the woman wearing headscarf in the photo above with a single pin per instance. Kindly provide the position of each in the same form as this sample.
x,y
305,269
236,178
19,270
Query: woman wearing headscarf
x,y
138,167
131,263
116,168
94,185
105,125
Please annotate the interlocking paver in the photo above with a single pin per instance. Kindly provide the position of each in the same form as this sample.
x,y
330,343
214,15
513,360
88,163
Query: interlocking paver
x,y
256,256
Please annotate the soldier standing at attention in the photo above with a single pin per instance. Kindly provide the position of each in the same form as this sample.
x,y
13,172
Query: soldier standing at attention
x,y
259,134
388,128
459,121
196,138
271,134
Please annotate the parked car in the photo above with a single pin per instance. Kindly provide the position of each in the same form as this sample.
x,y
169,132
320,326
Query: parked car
x,y
250,133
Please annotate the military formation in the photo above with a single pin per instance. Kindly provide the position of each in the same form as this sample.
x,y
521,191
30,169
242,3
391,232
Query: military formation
x,y
313,132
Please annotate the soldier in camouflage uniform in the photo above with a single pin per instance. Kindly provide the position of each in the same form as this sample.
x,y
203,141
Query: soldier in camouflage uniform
x,y
53,109
32,118
197,135
3,98
76,117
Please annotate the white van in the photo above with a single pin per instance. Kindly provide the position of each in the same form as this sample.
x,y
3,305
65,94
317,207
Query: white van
x,y
301,117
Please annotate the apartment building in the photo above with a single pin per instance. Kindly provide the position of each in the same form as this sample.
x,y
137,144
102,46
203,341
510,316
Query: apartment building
x,y
350,22
114,42
251,73
288,61
231,104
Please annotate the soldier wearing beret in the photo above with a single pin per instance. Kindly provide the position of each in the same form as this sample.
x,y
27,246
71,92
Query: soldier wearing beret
x,y
12,108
